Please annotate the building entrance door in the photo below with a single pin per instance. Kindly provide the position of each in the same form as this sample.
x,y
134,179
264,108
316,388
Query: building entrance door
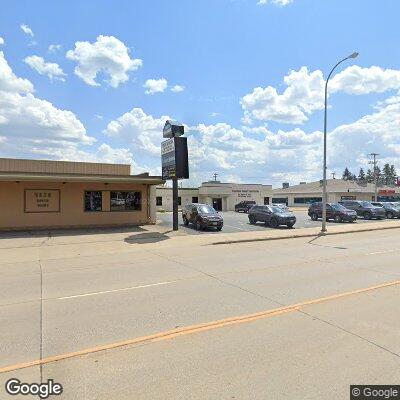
x,y
217,204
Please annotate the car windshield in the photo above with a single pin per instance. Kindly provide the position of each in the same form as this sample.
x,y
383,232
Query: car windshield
x,y
277,209
338,207
206,210
367,204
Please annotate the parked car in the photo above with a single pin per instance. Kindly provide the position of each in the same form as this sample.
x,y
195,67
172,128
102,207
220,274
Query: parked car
x,y
283,206
202,216
391,209
244,206
334,211
364,209
272,216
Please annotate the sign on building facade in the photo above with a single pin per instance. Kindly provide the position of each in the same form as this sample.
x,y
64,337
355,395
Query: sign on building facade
x,y
42,200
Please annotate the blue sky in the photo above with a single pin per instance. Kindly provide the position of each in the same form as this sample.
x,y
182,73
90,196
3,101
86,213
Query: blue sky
x,y
212,55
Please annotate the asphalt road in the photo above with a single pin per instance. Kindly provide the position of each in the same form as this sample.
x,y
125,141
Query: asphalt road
x,y
298,318
239,222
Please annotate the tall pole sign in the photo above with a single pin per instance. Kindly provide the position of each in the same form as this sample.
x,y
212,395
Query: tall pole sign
x,y
174,161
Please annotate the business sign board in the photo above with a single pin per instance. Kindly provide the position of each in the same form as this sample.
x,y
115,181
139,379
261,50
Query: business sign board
x,y
174,158
42,200
173,129
387,191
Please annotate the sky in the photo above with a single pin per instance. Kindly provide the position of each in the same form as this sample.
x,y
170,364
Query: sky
x,y
96,81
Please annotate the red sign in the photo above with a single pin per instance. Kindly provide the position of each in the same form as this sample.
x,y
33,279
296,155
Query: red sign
x,y
389,191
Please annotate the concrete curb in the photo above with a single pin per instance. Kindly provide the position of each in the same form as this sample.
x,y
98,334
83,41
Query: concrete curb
x,y
304,235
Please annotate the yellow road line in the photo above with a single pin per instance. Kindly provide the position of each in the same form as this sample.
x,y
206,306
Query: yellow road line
x,y
188,330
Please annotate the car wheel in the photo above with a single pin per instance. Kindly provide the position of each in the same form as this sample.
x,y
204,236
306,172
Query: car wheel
x,y
273,223
290,226
338,218
367,215
219,228
314,216
252,220
389,215
185,221
197,225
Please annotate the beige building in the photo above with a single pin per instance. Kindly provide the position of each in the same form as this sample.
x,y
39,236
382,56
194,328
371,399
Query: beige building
x,y
338,189
60,194
222,196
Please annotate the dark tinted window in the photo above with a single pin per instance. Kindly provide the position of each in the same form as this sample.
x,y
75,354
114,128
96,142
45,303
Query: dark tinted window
x,y
125,201
159,201
195,199
93,201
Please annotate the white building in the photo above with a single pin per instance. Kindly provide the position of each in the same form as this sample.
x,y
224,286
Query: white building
x,y
222,196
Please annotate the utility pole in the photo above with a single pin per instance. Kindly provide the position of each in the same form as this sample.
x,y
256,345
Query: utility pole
x,y
215,176
374,163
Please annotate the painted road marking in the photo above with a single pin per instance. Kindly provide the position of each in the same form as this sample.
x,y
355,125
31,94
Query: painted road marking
x,y
383,252
188,330
115,290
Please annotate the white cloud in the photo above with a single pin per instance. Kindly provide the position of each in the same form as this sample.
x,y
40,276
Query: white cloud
x,y
140,131
357,80
29,124
280,3
52,70
9,82
177,88
53,48
25,28
108,55
153,86
1,41
304,93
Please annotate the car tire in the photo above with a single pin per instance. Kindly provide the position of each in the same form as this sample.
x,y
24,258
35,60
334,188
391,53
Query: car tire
x,y
185,221
252,220
314,216
290,226
219,228
389,215
273,223
338,219
197,225
367,215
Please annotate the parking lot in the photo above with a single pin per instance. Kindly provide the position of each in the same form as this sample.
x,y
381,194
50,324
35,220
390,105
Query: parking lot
x,y
239,222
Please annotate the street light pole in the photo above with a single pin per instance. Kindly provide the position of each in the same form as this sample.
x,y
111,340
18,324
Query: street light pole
x,y
324,194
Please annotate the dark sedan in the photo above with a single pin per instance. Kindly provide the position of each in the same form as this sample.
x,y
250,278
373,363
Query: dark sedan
x,y
272,216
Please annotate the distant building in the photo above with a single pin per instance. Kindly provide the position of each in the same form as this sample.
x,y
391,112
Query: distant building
x,y
222,196
338,189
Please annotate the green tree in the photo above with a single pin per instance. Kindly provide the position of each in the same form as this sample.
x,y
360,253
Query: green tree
x,y
361,175
370,176
386,174
346,174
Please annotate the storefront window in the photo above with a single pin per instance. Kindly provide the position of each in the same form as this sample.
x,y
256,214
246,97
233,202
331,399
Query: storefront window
x,y
307,200
195,199
93,201
125,201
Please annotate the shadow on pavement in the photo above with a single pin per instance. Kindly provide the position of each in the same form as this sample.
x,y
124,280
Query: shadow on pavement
x,y
146,237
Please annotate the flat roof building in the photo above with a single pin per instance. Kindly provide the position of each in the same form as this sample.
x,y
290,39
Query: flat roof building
x,y
61,194
222,196
338,189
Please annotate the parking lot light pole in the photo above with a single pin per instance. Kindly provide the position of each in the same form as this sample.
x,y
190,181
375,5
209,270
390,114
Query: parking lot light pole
x,y
324,195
